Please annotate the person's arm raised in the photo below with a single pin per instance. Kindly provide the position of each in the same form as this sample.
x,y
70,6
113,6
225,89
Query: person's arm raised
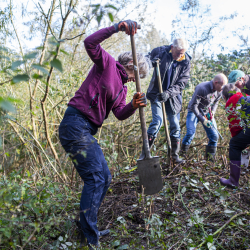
x,y
97,54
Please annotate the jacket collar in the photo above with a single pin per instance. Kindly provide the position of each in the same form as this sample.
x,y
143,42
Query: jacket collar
x,y
122,72
185,60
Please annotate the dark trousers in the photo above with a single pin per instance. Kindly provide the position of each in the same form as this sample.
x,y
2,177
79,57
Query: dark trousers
x,y
238,143
76,136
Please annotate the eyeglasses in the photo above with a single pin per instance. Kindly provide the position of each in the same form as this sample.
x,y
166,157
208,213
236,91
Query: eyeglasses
x,y
240,79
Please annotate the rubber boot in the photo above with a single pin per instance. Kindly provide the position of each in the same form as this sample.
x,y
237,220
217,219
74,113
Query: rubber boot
x,y
175,149
184,149
151,140
233,180
210,153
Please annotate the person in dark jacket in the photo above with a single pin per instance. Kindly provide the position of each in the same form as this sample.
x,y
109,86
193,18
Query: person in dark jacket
x,y
205,98
102,91
238,114
175,73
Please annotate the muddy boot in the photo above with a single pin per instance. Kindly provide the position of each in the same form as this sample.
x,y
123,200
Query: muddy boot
x,y
184,150
233,180
210,153
151,142
175,149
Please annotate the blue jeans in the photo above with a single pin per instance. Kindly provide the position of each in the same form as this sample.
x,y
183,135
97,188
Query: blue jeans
x,y
157,120
191,124
76,136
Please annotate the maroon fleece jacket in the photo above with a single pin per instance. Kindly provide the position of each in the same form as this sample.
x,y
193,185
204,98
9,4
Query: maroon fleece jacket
x,y
103,90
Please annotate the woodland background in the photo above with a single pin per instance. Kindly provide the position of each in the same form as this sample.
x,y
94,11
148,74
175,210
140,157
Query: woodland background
x,y
39,188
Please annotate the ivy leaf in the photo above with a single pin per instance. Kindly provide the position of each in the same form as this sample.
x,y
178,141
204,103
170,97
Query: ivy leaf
x,y
210,238
56,64
40,67
16,64
20,78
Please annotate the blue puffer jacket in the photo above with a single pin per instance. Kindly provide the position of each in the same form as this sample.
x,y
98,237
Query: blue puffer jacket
x,y
180,77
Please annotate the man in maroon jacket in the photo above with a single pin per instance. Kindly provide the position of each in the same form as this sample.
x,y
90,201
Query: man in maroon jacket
x,y
102,91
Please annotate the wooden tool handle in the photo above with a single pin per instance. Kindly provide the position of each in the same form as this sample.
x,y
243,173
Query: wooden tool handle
x,y
141,110
163,104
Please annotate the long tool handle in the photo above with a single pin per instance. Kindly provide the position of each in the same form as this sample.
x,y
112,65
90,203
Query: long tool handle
x,y
141,110
163,104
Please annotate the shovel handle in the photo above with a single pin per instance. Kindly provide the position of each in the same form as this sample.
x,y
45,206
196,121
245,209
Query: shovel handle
x,y
163,104
141,110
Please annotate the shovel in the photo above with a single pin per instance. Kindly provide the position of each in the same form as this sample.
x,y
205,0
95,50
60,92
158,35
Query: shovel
x,y
156,65
149,169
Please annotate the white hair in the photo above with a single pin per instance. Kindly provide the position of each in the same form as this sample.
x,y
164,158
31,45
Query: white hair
x,y
180,43
144,63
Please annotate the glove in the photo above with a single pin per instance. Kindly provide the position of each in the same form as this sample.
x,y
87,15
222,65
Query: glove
x,y
139,100
130,27
209,117
207,123
162,97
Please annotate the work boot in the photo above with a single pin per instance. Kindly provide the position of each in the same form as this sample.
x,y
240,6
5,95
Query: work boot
x,y
233,180
104,232
210,153
175,149
151,140
184,149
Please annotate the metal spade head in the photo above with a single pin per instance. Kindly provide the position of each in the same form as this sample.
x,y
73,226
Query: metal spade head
x,y
149,171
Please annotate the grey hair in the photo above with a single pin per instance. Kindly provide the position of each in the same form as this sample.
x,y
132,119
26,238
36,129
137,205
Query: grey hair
x,y
180,43
144,63
226,91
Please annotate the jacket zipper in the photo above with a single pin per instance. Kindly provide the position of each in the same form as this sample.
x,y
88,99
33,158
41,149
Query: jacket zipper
x,y
167,68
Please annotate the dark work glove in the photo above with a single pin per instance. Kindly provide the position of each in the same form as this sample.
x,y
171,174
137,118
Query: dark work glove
x,y
139,100
130,27
163,97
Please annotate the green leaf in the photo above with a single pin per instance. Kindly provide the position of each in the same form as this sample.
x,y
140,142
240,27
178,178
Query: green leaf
x,y
126,246
116,243
32,55
99,18
56,64
4,49
20,78
16,64
7,106
40,67
53,53
64,52
111,17
110,6
37,76
210,238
